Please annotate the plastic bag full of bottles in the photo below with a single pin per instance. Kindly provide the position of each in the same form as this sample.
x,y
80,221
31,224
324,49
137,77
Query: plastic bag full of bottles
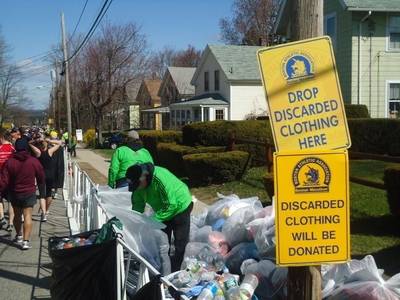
x,y
67,243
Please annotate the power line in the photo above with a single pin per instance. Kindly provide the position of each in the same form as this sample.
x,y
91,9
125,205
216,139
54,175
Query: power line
x,y
93,28
80,17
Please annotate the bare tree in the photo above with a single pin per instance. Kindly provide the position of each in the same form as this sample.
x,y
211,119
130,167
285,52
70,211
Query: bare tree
x,y
251,24
187,58
11,89
111,60
170,57
161,60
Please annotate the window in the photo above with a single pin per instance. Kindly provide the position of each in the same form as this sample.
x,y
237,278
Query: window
x,y
394,32
188,119
394,99
219,114
206,114
216,80
330,28
206,82
196,115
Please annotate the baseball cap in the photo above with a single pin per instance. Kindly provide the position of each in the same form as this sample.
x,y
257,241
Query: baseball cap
x,y
133,135
133,175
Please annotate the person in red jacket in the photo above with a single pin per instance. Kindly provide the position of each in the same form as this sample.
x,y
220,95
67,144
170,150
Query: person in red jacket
x,y
6,151
19,176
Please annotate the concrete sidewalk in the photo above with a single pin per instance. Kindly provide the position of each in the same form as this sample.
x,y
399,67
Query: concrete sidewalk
x,y
27,274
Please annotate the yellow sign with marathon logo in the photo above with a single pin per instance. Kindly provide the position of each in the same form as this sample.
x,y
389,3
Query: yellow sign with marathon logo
x,y
303,96
312,207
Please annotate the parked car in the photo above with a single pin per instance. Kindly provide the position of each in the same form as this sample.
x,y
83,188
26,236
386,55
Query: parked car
x,y
115,140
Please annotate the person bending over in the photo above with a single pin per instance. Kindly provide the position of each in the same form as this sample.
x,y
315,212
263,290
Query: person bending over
x,y
170,199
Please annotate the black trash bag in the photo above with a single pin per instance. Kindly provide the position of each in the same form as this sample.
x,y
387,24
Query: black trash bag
x,y
150,291
85,272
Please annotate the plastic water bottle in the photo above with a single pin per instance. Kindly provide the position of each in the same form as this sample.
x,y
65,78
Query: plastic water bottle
x,y
181,279
230,284
190,262
248,285
219,295
91,239
209,291
207,275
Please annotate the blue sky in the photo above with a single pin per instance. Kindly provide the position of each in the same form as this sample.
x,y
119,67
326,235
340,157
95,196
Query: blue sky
x,y
32,27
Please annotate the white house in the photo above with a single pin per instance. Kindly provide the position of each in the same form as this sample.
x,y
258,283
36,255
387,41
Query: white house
x,y
227,86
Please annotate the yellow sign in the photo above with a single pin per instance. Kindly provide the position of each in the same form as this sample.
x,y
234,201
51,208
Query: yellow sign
x,y
312,207
303,96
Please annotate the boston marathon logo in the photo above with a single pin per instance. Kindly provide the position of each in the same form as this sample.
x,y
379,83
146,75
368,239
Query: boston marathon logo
x,y
311,175
298,66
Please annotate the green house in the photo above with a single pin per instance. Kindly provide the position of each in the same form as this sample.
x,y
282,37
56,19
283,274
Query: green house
x,y
366,40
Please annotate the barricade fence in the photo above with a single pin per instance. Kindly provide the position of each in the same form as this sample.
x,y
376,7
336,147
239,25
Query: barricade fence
x,y
85,213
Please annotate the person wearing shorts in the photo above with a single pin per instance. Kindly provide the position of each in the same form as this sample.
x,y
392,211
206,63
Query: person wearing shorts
x,y
19,176
45,156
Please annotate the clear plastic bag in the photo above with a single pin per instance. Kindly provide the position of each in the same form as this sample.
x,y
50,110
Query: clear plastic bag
x,y
234,227
365,282
225,207
272,280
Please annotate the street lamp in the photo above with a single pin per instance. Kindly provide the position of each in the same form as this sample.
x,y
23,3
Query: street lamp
x,y
52,107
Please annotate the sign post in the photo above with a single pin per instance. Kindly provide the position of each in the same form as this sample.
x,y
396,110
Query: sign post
x,y
303,96
312,214
311,178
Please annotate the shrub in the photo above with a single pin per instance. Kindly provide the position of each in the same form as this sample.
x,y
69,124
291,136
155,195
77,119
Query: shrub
x,y
375,135
89,138
391,179
215,168
151,138
268,180
217,133
356,111
171,155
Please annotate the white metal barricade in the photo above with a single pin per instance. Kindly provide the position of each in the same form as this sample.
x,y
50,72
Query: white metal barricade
x,y
86,213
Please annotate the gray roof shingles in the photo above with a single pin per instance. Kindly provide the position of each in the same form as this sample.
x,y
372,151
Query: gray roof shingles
x,y
239,63
389,5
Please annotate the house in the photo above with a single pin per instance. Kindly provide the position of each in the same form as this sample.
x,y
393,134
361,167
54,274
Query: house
x,y
227,86
366,41
149,102
175,87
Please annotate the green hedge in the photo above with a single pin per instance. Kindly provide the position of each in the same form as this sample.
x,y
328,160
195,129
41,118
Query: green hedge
x,y
151,138
217,133
171,155
356,111
391,179
215,168
375,136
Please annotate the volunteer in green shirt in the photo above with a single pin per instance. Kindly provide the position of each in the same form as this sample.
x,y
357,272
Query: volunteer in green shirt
x,y
73,145
130,153
170,199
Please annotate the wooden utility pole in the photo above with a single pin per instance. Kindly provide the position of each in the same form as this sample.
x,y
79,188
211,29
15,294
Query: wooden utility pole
x,y
307,19
307,22
67,93
58,100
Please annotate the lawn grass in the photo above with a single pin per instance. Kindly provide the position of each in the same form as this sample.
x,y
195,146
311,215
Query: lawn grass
x,y
373,229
